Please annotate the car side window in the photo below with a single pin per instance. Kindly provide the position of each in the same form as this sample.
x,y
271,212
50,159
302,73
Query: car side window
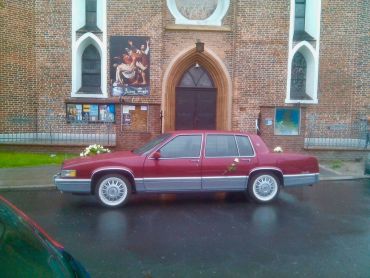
x,y
182,146
245,146
221,146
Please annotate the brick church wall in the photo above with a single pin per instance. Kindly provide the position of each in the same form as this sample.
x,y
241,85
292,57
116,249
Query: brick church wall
x,y
18,92
36,77
344,63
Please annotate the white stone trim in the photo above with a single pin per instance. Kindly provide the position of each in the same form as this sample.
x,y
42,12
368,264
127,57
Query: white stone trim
x,y
312,19
310,52
312,60
79,45
215,19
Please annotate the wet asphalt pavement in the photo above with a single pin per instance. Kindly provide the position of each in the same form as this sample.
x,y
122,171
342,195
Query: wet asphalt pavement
x,y
320,231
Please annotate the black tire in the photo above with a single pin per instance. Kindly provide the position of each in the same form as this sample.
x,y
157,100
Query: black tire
x,y
264,187
113,190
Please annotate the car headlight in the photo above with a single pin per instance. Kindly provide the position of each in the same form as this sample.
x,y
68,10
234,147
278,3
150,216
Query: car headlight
x,y
68,173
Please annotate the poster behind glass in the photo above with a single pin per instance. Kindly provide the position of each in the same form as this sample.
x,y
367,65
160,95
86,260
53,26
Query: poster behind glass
x,y
287,121
90,113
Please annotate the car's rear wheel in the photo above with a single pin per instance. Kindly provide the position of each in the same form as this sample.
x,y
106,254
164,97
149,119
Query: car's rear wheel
x,y
113,190
264,187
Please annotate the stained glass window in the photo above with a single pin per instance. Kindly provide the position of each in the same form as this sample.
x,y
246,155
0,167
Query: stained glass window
x,y
298,78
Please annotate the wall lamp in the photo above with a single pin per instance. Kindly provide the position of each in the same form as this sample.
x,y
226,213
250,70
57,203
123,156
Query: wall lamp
x,y
199,46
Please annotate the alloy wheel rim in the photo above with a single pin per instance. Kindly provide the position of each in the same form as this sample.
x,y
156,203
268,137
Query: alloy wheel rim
x,y
265,187
113,191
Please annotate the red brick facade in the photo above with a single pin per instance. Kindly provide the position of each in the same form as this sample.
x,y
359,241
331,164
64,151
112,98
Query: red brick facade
x,y
252,44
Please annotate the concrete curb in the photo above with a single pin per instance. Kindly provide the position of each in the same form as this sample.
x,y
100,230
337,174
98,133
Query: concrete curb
x,y
330,170
343,178
27,187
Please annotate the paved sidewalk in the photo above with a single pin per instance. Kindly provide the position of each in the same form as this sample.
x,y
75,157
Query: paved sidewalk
x,y
42,176
28,177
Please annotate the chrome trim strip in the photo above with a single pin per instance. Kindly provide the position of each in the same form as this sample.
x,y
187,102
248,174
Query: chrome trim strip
x,y
72,180
191,178
172,158
172,178
265,168
225,177
112,168
300,175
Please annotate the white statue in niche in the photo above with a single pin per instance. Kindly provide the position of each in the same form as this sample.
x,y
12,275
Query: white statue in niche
x,y
196,9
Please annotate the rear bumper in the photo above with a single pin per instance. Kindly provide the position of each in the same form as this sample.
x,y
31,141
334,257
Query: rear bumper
x,y
72,185
302,179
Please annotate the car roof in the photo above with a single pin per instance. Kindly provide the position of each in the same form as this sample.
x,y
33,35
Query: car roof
x,y
209,132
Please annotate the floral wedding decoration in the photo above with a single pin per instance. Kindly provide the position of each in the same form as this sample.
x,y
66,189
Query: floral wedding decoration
x,y
94,150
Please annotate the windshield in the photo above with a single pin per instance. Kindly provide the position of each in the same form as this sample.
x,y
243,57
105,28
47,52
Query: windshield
x,y
152,143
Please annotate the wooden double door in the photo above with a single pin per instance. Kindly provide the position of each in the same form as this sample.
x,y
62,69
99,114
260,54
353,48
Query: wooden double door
x,y
195,108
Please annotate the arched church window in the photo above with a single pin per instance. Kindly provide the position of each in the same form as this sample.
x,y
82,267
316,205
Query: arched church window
x,y
196,77
298,78
91,70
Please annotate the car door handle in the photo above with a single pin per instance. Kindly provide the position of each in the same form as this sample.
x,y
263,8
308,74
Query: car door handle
x,y
195,161
245,159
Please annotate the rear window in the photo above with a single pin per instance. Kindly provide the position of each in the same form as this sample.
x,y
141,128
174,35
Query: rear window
x,y
245,146
221,146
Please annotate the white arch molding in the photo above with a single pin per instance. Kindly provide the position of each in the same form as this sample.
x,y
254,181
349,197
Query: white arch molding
x,y
216,69
79,45
312,60
84,41
311,54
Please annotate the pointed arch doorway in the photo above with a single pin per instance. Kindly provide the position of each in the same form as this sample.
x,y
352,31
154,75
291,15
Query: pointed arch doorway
x,y
196,97
216,72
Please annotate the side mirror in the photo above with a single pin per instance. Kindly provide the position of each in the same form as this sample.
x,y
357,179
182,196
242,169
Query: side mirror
x,y
156,155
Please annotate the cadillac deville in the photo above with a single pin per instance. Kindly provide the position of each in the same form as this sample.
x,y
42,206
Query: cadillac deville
x,y
189,161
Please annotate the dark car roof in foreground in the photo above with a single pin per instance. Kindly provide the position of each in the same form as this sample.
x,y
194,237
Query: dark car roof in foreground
x,y
208,131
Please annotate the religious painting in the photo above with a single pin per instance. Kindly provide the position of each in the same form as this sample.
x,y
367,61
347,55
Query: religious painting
x,y
287,121
129,65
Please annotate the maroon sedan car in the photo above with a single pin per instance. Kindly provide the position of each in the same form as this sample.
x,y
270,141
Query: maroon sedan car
x,y
189,161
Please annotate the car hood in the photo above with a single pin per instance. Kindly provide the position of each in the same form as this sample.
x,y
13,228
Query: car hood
x,y
97,158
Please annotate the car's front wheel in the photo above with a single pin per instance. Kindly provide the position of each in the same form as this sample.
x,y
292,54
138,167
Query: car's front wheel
x,y
264,187
113,190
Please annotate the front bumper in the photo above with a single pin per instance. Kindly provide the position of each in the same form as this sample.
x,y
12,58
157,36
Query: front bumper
x,y
72,185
